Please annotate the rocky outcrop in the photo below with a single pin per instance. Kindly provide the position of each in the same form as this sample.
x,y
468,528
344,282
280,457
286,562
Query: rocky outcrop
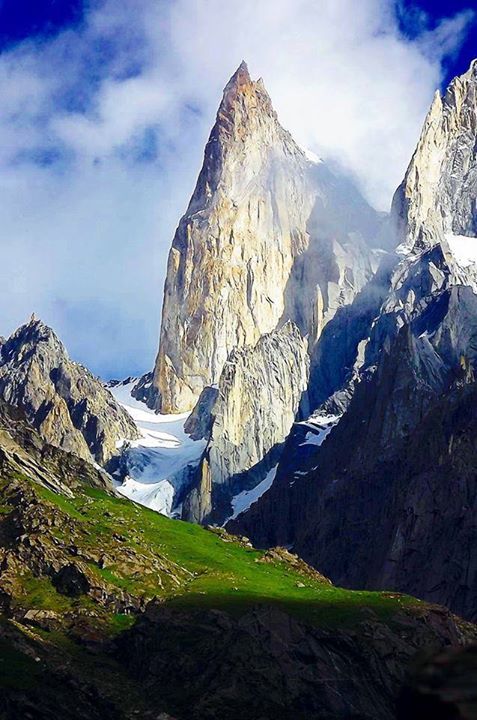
x,y
69,407
268,236
258,397
438,193
279,665
24,453
145,392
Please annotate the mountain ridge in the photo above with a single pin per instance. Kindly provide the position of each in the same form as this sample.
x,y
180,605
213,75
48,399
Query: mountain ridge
x,y
357,505
64,402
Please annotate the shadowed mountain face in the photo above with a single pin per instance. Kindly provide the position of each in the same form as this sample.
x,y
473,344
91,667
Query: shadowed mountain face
x,y
442,687
389,498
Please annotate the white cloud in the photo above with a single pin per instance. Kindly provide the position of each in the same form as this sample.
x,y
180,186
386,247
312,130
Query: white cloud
x,y
84,239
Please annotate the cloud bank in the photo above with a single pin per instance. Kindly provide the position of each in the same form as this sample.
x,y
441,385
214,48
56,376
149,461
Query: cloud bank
x,y
102,130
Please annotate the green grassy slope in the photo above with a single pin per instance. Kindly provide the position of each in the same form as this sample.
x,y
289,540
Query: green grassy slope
x,y
213,570
79,571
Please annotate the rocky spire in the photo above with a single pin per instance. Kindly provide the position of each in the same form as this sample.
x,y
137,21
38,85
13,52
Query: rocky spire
x,y
239,80
232,252
438,194
244,109
258,205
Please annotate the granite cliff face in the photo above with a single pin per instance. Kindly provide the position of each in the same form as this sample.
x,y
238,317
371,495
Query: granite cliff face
x,y
251,414
268,236
69,407
437,196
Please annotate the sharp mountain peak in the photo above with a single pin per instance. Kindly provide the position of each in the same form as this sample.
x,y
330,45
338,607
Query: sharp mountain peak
x,y
241,92
32,331
241,76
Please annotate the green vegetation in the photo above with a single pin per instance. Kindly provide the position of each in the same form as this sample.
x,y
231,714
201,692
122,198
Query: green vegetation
x,y
203,570
60,501
81,569
39,594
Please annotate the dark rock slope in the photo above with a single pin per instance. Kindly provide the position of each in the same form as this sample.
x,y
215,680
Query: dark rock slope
x,y
266,664
390,499
442,687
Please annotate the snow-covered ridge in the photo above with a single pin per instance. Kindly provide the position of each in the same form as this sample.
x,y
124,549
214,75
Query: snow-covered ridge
x,y
157,462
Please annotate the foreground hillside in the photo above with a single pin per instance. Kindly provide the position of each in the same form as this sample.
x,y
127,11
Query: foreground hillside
x,y
110,610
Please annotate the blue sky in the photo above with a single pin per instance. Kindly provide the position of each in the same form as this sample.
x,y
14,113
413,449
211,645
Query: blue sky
x,y
23,19
431,12
106,107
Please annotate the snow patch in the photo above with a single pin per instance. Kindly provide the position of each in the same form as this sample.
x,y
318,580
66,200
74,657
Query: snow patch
x,y
311,156
324,424
156,496
157,460
463,248
244,500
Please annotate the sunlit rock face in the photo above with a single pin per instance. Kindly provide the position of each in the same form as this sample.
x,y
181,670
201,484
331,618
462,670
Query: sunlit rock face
x,y
437,196
268,236
258,396
435,212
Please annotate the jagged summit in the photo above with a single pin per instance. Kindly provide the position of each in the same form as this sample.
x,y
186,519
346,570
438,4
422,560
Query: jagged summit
x,y
246,125
30,334
258,205
240,77
241,83
469,75
242,98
